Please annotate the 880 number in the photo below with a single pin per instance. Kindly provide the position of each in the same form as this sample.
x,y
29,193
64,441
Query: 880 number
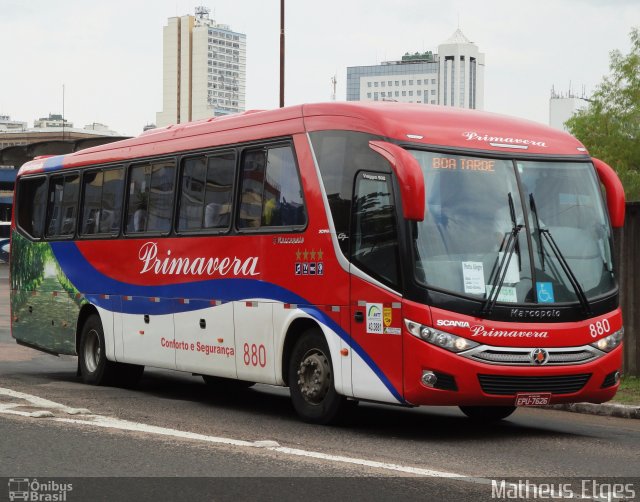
x,y
599,328
255,355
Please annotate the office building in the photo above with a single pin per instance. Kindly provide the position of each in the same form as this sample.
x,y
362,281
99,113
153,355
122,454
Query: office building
x,y
204,69
452,77
6,124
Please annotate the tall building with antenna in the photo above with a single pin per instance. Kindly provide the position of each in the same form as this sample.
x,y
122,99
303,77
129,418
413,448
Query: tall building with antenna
x,y
204,69
563,105
452,77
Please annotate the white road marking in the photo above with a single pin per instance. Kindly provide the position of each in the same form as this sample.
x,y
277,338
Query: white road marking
x,y
125,425
43,403
8,409
115,423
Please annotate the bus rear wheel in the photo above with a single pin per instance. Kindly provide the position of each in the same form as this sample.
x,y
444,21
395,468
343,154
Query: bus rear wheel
x,y
95,368
487,413
311,380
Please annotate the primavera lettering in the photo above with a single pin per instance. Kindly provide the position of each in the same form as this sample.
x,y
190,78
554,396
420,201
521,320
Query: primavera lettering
x,y
497,333
172,265
474,136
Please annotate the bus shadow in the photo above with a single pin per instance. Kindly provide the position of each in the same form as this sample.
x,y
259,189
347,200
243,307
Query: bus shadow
x,y
441,423
366,419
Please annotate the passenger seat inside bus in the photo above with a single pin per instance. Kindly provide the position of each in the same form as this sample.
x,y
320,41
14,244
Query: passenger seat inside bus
x,y
216,215
139,220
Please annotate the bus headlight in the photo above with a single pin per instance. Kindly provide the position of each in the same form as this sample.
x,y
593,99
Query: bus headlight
x,y
439,338
608,343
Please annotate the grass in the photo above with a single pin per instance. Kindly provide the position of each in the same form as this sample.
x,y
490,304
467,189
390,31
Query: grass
x,y
629,391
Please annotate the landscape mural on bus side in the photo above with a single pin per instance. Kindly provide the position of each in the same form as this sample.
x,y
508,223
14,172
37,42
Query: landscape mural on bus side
x,y
44,304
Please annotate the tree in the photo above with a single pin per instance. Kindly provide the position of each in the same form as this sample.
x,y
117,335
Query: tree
x,y
610,126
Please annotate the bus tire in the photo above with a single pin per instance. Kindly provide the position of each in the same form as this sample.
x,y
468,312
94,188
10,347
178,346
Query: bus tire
x,y
487,413
95,368
311,381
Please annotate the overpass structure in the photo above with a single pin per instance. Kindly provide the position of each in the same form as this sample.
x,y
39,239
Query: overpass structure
x,y
12,157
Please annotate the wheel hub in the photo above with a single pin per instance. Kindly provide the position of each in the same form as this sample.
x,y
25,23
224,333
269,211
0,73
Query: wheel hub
x,y
314,377
92,351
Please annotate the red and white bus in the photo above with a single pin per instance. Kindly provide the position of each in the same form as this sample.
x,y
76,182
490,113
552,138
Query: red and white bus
x,y
396,253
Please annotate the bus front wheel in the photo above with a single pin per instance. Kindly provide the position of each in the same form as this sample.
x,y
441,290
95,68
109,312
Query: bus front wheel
x,y
95,368
487,413
311,380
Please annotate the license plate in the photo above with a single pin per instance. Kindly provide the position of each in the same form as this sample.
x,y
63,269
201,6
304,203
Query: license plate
x,y
533,399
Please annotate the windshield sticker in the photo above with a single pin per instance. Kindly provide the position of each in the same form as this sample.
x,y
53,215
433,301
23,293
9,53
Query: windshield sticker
x,y
545,292
507,294
473,277
513,274
374,318
454,164
376,177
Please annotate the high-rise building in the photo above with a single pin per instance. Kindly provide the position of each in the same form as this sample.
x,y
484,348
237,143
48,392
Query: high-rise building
x,y
562,106
453,77
204,69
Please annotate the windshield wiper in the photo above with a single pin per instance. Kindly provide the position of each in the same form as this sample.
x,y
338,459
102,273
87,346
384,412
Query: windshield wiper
x,y
560,257
503,267
534,210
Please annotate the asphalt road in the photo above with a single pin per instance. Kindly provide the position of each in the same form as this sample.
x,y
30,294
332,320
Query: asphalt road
x,y
251,444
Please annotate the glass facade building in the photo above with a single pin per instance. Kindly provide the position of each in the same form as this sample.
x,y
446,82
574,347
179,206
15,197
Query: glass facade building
x,y
452,77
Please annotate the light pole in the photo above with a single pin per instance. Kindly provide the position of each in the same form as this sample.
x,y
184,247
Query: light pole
x,y
281,53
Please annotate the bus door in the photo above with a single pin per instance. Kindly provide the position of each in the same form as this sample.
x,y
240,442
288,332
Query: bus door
x,y
376,311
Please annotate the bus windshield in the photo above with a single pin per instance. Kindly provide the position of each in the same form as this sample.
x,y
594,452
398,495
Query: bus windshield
x,y
479,233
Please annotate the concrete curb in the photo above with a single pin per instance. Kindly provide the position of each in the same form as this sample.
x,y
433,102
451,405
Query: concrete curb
x,y
606,409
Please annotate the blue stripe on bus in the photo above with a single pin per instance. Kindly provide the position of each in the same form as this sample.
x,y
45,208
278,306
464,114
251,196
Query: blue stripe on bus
x,y
53,163
93,284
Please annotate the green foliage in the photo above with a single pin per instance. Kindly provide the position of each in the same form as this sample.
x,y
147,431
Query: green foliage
x,y
629,391
28,261
610,126
66,284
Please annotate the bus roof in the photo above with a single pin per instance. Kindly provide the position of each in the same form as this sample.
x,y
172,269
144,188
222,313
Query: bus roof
x,y
429,125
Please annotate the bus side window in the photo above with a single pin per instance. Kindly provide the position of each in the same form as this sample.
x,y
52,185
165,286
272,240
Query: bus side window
x,y
192,193
32,200
207,188
375,239
111,204
160,208
150,204
62,205
221,171
271,194
101,202
91,196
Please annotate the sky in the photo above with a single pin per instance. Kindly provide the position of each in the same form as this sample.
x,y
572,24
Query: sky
x,y
108,54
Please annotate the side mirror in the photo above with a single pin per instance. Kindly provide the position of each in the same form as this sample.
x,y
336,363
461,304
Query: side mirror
x,y
615,192
409,174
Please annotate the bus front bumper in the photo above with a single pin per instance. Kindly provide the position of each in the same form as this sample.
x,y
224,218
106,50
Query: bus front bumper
x,y
460,381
